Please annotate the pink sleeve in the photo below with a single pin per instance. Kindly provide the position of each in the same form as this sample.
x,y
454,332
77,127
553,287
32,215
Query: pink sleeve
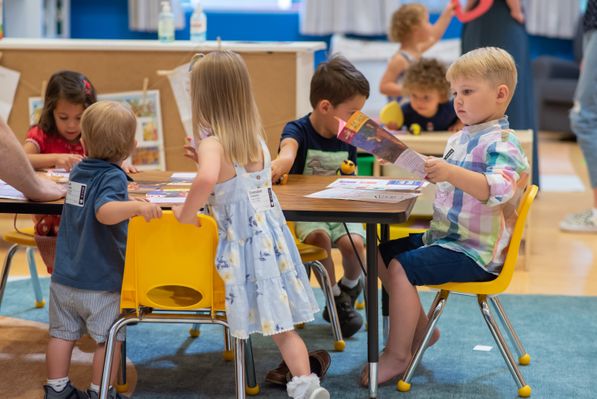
x,y
38,137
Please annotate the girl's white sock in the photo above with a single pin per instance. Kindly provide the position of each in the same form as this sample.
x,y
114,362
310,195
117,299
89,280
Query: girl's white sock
x,y
302,386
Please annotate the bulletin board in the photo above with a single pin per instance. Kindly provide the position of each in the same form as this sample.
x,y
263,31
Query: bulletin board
x,y
273,76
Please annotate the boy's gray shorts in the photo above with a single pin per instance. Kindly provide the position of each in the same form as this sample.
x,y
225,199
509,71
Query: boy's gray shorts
x,y
74,311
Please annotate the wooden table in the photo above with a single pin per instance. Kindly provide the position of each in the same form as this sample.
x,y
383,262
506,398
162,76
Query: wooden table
x,y
298,208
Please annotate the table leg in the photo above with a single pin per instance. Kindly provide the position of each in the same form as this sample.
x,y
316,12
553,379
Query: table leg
x,y
372,304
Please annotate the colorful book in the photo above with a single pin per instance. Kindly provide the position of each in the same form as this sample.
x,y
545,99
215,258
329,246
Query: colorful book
x,y
363,132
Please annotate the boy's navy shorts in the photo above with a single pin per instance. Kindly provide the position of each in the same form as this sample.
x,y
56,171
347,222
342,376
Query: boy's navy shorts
x,y
430,265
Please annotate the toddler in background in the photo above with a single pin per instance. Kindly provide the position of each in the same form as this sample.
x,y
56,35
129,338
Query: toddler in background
x,y
55,141
428,102
411,28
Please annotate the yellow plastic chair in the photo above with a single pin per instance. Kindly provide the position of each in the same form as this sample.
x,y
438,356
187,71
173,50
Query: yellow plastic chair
x,y
170,277
488,290
18,239
311,256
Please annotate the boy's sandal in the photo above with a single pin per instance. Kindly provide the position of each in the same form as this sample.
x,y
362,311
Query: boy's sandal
x,y
319,361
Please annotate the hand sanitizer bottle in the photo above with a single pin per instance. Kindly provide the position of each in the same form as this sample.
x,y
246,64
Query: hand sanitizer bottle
x,y
166,23
198,24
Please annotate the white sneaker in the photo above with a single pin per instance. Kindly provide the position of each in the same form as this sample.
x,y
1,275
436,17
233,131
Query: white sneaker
x,y
320,393
583,222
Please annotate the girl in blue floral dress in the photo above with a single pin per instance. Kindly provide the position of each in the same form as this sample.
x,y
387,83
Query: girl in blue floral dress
x,y
267,289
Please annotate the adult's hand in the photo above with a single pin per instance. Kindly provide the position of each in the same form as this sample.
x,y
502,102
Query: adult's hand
x,y
16,170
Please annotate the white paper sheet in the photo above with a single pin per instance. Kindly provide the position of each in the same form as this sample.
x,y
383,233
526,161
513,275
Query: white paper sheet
x,y
9,192
180,82
9,80
363,195
380,184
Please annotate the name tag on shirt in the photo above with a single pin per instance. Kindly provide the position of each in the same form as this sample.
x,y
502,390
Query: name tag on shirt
x,y
262,199
75,195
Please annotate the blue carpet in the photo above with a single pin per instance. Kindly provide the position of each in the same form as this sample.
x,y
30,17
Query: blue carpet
x,y
557,331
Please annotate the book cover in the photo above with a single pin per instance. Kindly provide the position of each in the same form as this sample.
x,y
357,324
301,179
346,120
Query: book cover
x,y
363,132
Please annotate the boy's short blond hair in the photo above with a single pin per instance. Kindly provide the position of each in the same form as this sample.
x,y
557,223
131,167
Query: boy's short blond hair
x,y
491,63
404,19
427,74
108,131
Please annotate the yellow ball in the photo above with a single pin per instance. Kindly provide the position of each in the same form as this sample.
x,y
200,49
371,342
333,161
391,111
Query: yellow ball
x,y
348,167
415,129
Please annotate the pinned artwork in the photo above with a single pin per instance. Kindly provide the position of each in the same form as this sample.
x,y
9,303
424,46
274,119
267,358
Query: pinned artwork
x,y
149,154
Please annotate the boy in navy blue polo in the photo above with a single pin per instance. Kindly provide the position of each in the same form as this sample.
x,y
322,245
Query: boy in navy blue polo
x,y
309,146
87,278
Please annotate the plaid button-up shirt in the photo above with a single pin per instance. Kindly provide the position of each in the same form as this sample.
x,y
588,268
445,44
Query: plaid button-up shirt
x,y
481,230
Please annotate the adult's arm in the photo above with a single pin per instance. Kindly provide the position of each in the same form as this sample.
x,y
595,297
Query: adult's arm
x,y
16,170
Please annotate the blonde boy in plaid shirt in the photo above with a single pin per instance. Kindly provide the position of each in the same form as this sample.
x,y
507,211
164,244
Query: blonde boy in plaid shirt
x,y
479,181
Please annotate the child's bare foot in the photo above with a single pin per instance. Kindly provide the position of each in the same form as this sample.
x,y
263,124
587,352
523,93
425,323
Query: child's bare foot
x,y
390,366
417,341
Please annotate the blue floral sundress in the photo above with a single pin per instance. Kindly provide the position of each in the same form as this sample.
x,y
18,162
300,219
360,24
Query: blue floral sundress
x,y
267,288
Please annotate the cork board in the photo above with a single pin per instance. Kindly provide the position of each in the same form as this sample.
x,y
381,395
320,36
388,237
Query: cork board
x,y
273,76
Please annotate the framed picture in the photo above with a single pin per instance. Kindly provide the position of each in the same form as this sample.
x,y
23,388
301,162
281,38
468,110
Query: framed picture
x,y
149,154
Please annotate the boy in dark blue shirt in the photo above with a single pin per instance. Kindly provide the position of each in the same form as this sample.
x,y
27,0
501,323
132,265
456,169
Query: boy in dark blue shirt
x,y
309,146
429,106
87,277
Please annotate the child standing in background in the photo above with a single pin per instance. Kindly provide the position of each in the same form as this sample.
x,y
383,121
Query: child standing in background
x,y
479,182
87,279
309,146
267,289
55,141
428,94
411,28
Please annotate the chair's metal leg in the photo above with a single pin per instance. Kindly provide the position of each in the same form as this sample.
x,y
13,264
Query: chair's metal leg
x,y
228,351
385,299
195,330
326,285
39,299
6,269
252,385
524,357
364,283
499,340
118,324
439,303
239,367
121,379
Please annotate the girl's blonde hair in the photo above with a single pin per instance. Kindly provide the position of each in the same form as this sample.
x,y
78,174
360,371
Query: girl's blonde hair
x,y
223,103
491,63
404,20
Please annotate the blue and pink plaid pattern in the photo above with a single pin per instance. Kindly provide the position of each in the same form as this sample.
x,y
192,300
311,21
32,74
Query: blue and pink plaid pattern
x,y
462,223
